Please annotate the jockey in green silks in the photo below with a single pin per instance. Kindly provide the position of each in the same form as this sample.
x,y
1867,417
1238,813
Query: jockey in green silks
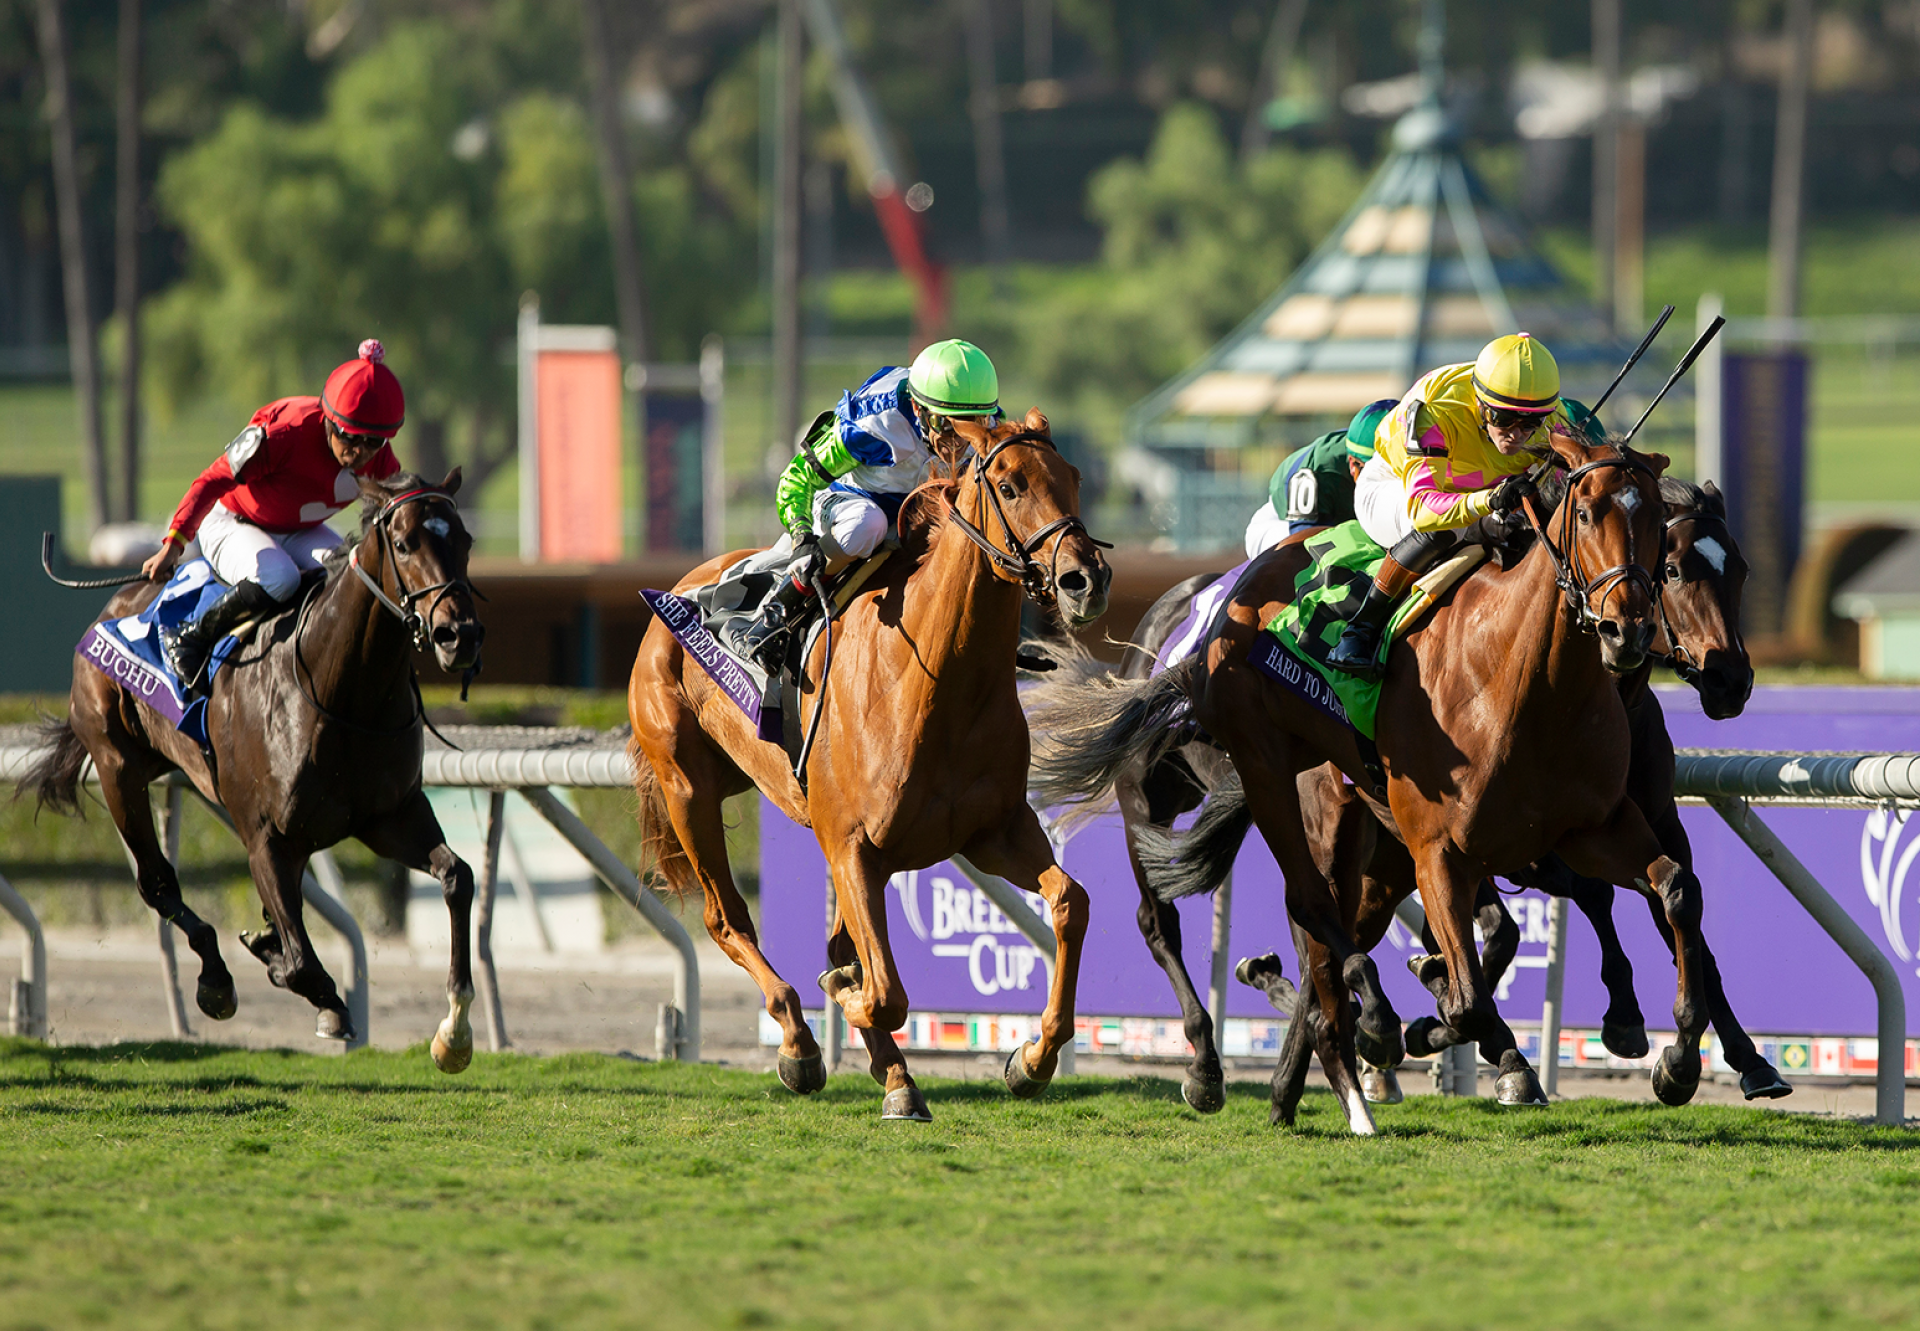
x,y
840,496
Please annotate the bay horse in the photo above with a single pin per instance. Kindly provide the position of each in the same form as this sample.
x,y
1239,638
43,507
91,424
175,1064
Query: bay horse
x,y
315,735
922,754
1702,576
1502,736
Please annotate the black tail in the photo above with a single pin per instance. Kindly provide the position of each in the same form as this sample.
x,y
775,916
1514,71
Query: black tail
x,y
1198,860
1089,728
54,777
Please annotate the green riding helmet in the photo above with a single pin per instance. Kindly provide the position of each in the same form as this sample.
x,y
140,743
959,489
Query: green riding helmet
x,y
955,378
1366,422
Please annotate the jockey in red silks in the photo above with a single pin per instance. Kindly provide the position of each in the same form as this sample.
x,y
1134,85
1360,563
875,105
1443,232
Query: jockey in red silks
x,y
261,509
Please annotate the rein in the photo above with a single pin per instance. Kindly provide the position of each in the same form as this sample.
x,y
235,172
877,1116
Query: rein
x,y
1017,559
1568,575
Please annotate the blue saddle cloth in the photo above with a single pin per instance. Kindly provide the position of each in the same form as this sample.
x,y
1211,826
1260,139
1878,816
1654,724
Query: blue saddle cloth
x,y
128,650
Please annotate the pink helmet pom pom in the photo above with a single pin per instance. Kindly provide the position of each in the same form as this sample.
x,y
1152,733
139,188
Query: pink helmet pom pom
x,y
373,351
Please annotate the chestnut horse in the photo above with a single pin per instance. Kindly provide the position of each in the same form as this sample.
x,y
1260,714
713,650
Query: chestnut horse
x,y
315,734
1702,580
922,754
1503,739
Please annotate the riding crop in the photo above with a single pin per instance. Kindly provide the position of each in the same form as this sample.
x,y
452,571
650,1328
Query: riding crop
x,y
1634,359
47,540
1686,363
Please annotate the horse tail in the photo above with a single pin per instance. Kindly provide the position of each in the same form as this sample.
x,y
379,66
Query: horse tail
x,y
1198,860
660,845
54,777
1090,726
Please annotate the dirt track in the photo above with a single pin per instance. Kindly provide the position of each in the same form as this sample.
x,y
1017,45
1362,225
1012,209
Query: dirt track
x,y
107,988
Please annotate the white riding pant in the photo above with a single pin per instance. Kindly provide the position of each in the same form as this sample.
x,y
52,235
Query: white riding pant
x,y
849,525
1380,502
1265,529
238,550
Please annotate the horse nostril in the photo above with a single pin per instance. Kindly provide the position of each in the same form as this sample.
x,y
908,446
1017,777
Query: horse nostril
x,y
1609,630
445,635
1073,581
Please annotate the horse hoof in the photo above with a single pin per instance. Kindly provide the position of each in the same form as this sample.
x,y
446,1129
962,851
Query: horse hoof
x,y
905,1105
834,979
1023,1084
452,1055
1763,1083
1380,1086
1673,1086
333,1025
803,1076
1625,1041
1516,1089
219,1003
1204,1095
1382,1048
1427,968
1419,1038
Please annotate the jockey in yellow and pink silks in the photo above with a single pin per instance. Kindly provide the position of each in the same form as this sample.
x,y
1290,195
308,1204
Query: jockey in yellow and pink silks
x,y
1449,467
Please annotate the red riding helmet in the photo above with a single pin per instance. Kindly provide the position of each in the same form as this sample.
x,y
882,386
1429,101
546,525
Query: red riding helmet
x,y
363,396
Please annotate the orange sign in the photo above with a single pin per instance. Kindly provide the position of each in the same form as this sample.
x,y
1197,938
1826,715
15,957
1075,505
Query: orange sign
x,y
578,423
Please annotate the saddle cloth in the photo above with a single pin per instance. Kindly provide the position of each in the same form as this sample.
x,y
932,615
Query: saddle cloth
x,y
127,650
1327,593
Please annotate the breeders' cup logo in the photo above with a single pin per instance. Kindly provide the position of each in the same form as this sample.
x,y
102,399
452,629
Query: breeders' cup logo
x,y
999,959
1884,863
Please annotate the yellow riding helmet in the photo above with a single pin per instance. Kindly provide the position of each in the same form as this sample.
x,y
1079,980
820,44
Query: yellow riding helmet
x,y
1517,373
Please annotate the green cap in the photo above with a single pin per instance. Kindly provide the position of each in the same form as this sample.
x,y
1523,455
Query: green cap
x,y
1365,422
955,378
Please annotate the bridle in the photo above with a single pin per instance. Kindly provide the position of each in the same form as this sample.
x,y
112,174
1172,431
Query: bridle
x,y
406,608
1678,659
1017,560
1568,575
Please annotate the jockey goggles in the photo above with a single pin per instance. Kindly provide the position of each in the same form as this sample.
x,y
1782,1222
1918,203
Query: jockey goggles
x,y
1506,419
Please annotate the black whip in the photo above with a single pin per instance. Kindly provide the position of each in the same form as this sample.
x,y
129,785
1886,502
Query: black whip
x,y
47,540
1634,359
1686,363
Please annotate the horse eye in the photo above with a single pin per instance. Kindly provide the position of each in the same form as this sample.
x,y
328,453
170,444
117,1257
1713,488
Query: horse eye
x,y
1007,491
1585,516
1673,573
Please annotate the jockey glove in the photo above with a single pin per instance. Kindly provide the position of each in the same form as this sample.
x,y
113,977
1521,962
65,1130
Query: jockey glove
x,y
1508,494
809,561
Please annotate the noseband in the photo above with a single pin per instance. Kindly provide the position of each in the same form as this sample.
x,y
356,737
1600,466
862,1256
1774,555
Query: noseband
x,y
406,608
1017,560
1568,575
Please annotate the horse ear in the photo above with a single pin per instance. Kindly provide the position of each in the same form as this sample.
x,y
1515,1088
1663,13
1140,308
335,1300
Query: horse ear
x,y
452,484
1570,449
1659,462
1038,423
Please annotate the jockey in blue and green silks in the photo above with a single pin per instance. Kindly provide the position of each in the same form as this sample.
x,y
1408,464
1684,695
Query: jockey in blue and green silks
x,y
840,495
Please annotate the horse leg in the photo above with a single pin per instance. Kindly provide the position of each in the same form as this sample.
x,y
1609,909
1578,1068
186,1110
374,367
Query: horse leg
x,y
691,786
159,885
1449,888
1204,1087
277,869
1499,934
1624,851
869,989
1019,852
411,835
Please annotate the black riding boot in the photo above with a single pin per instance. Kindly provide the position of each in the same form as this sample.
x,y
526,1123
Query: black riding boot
x,y
763,639
187,648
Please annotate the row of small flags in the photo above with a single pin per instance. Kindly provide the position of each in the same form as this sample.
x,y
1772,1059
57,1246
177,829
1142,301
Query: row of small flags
x,y
1155,1037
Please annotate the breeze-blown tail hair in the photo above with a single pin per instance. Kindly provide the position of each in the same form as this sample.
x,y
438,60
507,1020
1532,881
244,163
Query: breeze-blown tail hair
x,y
54,777
1185,864
1089,726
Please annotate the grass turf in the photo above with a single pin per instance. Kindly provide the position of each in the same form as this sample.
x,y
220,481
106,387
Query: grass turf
x,y
179,1185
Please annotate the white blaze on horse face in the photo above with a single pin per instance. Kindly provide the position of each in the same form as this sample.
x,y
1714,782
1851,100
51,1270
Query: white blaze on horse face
x,y
1630,501
1714,552
438,526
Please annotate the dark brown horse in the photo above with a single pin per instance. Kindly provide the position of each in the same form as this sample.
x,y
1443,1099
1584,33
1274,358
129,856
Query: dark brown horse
x,y
1503,738
315,736
922,754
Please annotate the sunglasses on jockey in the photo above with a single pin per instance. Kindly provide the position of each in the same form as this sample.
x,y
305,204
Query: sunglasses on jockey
x,y
1503,418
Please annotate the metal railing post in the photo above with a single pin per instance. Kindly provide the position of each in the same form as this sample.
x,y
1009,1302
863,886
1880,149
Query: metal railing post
x,y
1890,1079
830,1013
484,976
326,891
27,1006
169,962
1222,942
1039,932
626,885
1551,1009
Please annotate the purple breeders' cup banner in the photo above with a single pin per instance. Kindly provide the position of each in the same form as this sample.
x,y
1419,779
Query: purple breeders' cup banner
x,y
120,663
1272,658
682,618
1782,973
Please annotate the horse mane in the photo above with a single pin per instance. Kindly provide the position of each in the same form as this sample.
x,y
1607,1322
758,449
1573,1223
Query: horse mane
x,y
1691,498
923,516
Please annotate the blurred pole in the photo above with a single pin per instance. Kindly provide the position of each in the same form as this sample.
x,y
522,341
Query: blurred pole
x,y
790,130
1554,1007
1789,167
169,962
1221,969
989,160
616,186
126,258
1630,222
1709,378
83,348
1038,34
713,444
1283,35
486,978
1606,152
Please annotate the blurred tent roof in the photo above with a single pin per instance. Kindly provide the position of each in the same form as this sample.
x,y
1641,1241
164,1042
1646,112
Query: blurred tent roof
x,y
1422,272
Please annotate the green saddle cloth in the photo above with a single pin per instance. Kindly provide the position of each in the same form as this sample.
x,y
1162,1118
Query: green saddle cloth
x,y
1328,593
